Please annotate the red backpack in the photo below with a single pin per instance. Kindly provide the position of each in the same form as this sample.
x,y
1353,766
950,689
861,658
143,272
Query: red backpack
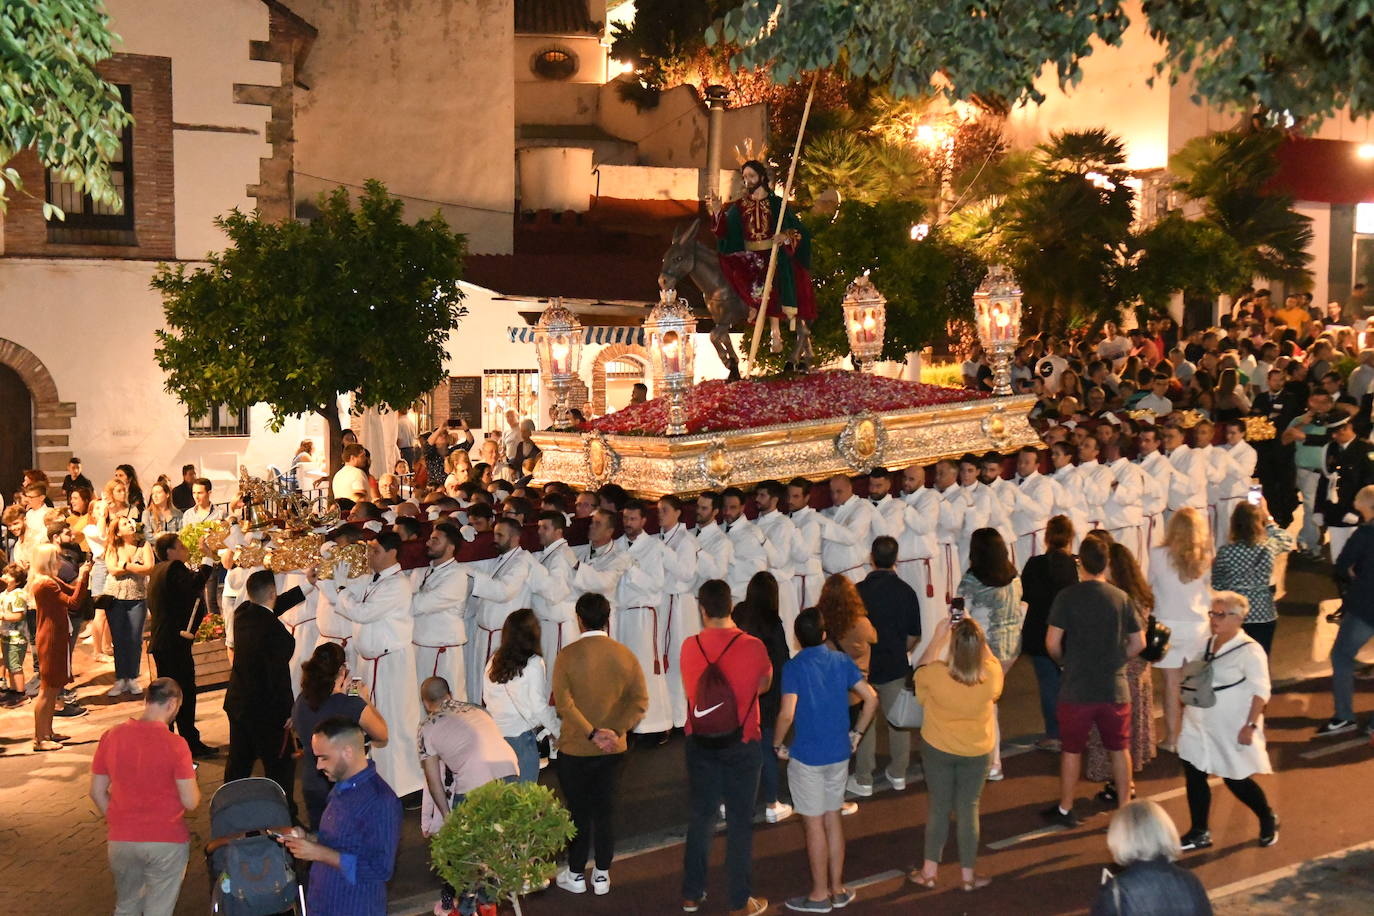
x,y
713,712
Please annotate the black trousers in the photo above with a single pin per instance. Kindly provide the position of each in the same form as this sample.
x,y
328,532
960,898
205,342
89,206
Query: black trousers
x,y
1200,796
589,786
250,741
178,665
716,775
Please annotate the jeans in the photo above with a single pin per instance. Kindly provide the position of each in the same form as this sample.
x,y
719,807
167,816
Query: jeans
x,y
769,777
954,784
589,788
147,876
898,739
1350,639
1047,676
126,631
1309,536
526,754
729,774
1200,796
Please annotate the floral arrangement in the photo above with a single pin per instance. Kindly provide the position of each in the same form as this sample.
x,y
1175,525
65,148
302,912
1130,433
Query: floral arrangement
x,y
210,629
718,405
192,534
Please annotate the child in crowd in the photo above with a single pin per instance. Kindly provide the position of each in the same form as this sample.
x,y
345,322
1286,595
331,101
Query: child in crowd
x,y
14,604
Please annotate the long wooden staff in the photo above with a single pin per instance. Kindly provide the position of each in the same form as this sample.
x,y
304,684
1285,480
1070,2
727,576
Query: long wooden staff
x,y
777,236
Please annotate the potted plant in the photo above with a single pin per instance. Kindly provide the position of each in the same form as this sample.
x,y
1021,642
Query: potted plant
x,y
502,840
208,653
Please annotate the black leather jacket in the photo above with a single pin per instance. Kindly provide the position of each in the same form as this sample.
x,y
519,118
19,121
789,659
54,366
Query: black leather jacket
x,y
1154,888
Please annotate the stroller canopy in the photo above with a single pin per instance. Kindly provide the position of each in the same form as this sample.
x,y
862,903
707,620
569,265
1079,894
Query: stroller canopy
x,y
253,803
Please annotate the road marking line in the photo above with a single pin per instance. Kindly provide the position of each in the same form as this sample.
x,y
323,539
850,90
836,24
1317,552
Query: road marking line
x,y
1278,874
1182,790
1335,748
879,878
1038,832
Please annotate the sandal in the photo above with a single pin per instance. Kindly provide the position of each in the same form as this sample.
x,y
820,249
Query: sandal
x,y
920,878
977,883
40,746
59,738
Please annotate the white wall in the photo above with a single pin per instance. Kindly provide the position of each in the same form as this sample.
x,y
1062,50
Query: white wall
x,y
641,182
209,52
588,49
420,96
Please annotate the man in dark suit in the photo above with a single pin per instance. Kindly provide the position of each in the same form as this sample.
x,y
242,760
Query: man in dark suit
x,y
1349,467
173,590
259,699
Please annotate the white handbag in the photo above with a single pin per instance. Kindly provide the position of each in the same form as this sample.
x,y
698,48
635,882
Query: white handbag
x,y
906,711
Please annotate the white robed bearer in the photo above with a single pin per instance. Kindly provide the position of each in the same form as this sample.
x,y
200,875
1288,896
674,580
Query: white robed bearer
x,y
438,605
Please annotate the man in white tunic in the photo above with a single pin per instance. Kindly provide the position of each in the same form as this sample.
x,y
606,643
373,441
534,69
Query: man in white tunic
x,y
1157,474
750,557
553,600
950,528
679,596
1003,493
1033,505
639,617
379,608
1068,492
500,585
1240,476
1224,483
438,605
1121,513
847,536
918,546
780,545
600,561
807,574
890,509
978,507
332,626
1188,486
1095,482
301,620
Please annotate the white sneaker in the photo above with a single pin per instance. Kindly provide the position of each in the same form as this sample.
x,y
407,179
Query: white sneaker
x,y
601,882
117,690
854,787
573,884
995,774
849,807
132,686
897,782
779,811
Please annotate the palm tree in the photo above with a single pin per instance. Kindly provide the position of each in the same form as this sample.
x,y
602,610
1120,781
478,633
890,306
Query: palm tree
x,y
1229,173
1066,228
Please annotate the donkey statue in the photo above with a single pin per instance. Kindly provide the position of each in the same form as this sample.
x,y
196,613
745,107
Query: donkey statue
x,y
687,257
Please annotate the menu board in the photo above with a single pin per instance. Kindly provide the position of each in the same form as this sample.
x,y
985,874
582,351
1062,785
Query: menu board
x,y
465,398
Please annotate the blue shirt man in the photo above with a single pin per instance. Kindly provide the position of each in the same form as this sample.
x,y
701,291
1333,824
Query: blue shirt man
x,y
355,853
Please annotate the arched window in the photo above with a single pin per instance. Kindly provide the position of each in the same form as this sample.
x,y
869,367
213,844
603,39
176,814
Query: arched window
x,y
555,63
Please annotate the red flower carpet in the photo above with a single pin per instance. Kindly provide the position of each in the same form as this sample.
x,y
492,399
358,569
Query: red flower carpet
x,y
718,405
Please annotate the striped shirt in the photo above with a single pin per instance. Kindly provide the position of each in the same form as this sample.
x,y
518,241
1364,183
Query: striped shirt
x,y
362,822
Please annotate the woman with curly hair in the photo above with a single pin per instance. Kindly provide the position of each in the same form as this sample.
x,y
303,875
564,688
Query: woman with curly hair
x,y
1124,572
847,627
1180,577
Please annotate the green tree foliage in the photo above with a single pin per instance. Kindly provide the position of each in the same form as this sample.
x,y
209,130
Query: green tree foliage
x,y
1182,255
926,282
1065,228
1303,59
291,313
1229,174
51,98
501,839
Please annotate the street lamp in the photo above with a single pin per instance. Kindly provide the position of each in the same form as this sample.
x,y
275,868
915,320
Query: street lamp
x,y
997,309
558,343
669,329
865,319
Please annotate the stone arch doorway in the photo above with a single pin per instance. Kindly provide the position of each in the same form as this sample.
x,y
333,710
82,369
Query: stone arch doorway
x,y
627,354
31,411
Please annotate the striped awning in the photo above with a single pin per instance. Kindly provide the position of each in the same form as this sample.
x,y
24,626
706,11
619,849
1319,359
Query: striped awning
x,y
590,335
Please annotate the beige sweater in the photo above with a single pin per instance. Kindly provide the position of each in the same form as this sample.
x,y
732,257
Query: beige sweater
x,y
597,683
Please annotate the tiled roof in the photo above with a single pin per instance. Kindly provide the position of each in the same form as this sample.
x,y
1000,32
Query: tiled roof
x,y
554,17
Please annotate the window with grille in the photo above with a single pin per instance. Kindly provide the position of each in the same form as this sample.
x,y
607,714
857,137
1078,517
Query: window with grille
x,y
87,221
222,420
555,64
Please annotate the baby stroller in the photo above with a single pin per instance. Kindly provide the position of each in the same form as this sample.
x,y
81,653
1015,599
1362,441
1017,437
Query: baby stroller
x,y
251,874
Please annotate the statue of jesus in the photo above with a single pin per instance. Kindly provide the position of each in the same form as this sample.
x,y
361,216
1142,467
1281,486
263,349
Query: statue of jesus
x,y
746,229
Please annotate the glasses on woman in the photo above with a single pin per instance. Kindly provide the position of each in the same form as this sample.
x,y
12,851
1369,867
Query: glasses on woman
x,y
1217,615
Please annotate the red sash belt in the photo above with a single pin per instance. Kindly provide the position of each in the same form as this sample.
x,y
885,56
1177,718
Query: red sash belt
x,y
437,655
376,663
930,577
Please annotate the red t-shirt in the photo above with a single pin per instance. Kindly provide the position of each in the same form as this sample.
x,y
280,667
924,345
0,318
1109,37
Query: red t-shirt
x,y
144,760
745,663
